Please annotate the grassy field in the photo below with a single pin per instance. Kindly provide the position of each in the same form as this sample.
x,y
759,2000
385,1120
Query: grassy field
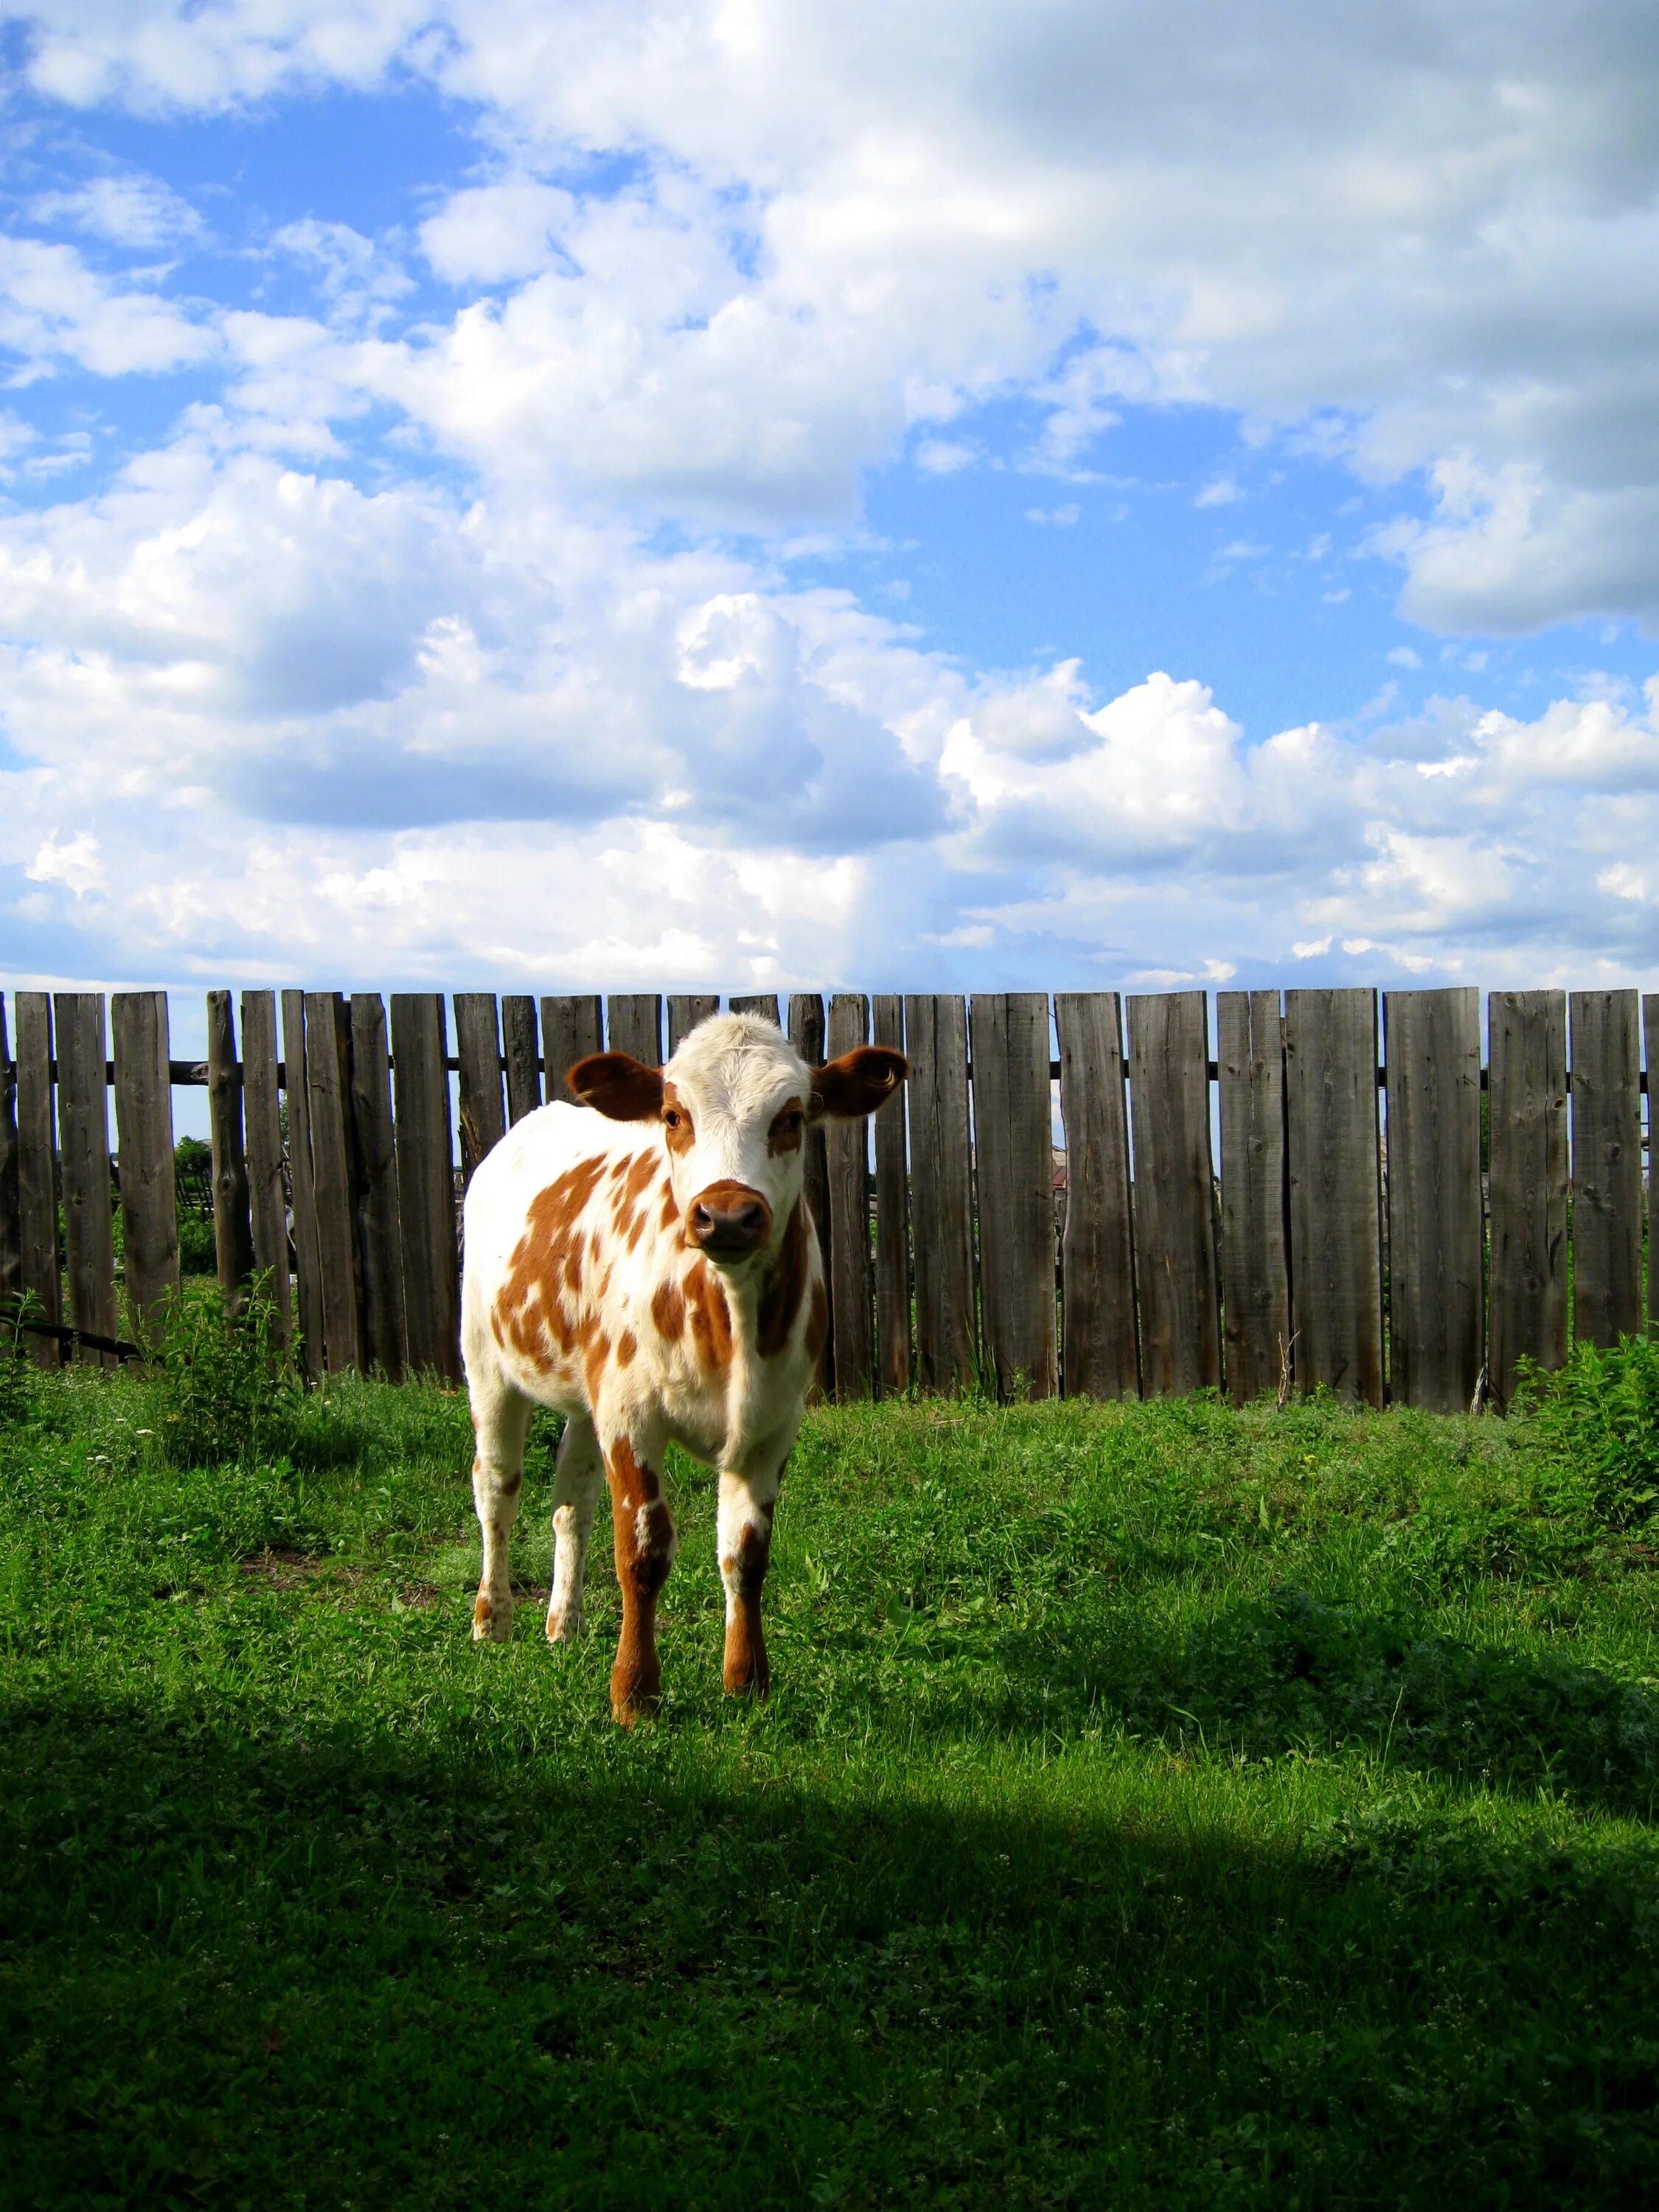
x,y
1156,1806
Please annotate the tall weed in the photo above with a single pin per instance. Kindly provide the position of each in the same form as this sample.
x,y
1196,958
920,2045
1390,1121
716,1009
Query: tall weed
x,y
227,1389
1595,1424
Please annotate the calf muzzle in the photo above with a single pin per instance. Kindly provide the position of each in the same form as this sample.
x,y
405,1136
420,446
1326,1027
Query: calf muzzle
x,y
728,1221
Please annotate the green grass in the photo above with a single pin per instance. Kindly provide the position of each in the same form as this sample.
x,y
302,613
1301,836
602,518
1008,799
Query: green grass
x,y
1156,1806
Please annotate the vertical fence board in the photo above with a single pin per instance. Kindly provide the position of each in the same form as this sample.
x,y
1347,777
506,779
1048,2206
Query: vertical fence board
x,y
1650,1045
684,1012
1099,1355
233,1234
847,1159
1607,1167
144,1126
1173,1196
522,1054
262,1122
1432,1049
807,1034
764,1003
83,1135
1527,1112
478,1048
941,1193
1256,1272
11,1219
426,1182
380,1234
892,1214
327,1093
1013,1155
307,1249
632,1023
571,1029
37,1167
1336,1256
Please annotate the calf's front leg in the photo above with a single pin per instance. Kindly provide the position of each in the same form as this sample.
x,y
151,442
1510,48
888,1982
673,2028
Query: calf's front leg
x,y
745,1548
643,1533
502,1420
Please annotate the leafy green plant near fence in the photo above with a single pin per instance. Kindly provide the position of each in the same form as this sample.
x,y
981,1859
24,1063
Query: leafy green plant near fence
x,y
227,1391
1596,1427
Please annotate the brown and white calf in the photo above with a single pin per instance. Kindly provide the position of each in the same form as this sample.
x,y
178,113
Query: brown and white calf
x,y
652,1271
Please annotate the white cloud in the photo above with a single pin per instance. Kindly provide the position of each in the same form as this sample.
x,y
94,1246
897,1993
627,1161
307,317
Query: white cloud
x,y
124,209
75,863
490,234
54,308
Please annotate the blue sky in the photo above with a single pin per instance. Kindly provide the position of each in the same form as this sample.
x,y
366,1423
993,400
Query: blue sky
x,y
762,494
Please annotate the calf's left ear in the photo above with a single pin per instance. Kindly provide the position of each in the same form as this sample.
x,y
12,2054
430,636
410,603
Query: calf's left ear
x,y
857,1082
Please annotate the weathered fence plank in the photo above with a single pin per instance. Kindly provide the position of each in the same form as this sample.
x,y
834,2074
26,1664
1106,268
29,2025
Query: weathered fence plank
x,y
1255,1267
764,1003
380,1233
1099,1355
571,1029
37,1169
233,1233
522,1052
1527,1112
425,1182
478,1048
1174,1192
307,1245
1336,1248
263,1128
1607,1167
328,1092
83,1136
144,1125
807,1034
1013,1147
11,1220
684,1012
941,1193
1436,1340
892,1214
1651,1049
846,1151
632,1023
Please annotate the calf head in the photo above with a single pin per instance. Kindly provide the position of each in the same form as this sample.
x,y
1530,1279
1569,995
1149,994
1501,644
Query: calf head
x,y
734,1104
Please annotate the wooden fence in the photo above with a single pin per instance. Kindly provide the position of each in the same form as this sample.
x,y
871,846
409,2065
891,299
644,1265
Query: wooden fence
x,y
1374,1224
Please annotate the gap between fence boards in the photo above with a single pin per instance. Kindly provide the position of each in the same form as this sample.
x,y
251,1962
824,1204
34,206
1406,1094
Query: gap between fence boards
x,y
192,1074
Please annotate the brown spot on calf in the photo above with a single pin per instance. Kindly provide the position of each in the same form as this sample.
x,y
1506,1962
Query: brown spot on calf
x,y
744,1574
784,1287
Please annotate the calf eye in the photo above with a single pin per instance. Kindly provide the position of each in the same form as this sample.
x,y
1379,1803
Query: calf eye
x,y
673,1119
794,1119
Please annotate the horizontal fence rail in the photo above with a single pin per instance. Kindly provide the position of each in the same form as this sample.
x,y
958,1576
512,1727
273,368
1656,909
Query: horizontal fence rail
x,y
1091,1195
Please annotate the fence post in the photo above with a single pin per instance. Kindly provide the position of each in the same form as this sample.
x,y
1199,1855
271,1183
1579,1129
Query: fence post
x,y
1526,1115
379,1232
1013,1133
88,1211
1256,1272
571,1029
307,1250
478,1048
426,1183
632,1023
1336,1243
521,1053
37,1169
941,1193
11,1219
807,1034
1432,1049
1100,1356
263,1120
683,1015
847,1167
1607,1167
1174,1208
328,1094
232,1235
892,1214
144,1126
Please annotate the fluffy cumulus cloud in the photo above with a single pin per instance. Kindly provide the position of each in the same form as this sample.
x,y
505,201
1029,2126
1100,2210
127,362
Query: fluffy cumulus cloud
x,y
442,608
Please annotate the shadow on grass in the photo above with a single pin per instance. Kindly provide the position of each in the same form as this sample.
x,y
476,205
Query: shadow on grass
x,y
1296,1672
251,1970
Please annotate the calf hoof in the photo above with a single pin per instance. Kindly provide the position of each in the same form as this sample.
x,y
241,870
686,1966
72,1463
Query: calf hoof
x,y
565,1627
633,1697
743,1681
492,1620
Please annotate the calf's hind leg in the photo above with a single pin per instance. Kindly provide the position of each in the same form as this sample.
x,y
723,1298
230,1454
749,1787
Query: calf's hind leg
x,y
575,1493
502,1420
643,1531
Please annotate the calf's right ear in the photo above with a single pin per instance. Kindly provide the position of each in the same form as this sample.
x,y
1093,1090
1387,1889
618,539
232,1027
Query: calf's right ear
x,y
619,1085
